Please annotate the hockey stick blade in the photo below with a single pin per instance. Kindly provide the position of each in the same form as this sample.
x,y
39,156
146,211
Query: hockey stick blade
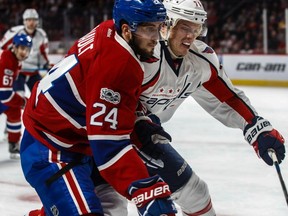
x,y
273,156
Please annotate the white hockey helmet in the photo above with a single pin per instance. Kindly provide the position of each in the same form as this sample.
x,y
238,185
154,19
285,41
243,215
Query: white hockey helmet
x,y
190,10
30,13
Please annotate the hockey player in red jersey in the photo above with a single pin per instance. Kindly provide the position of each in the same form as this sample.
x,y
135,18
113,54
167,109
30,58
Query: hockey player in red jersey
x,y
86,106
11,103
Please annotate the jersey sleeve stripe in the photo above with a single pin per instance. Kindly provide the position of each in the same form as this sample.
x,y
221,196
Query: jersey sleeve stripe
x,y
115,158
219,88
6,96
109,137
63,113
74,89
58,142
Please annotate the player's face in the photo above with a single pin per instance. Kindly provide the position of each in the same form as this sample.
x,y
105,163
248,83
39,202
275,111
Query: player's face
x,y
21,52
145,38
30,25
182,36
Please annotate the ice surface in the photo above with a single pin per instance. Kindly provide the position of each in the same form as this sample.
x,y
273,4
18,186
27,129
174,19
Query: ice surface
x,y
240,184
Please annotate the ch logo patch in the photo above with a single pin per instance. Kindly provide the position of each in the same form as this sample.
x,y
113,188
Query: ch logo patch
x,y
8,72
110,96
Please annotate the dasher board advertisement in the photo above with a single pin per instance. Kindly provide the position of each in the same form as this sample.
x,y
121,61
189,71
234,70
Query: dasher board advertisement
x,y
256,67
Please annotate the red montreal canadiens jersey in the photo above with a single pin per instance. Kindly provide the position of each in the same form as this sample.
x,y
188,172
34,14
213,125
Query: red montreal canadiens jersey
x,y
9,70
89,99
199,75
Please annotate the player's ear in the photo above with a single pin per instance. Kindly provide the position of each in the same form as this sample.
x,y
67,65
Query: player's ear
x,y
126,33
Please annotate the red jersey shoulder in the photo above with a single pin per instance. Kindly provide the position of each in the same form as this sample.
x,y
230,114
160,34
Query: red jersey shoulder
x,y
104,53
104,43
116,49
9,61
89,44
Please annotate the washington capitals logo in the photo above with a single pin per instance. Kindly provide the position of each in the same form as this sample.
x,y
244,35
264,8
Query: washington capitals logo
x,y
110,96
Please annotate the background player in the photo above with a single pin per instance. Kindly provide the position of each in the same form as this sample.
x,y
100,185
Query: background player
x,y
86,106
38,58
11,103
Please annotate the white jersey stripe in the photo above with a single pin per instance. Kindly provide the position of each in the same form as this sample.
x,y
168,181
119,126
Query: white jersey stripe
x,y
62,112
115,158
72,181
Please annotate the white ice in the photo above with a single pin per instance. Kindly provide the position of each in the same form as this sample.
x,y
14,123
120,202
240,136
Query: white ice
x,y
240,184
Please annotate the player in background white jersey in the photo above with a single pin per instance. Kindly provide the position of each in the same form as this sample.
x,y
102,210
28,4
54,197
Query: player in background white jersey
x,y
38,58
183,66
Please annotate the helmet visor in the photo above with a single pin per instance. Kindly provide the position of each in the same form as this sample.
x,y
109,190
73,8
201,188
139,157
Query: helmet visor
x,y
149,31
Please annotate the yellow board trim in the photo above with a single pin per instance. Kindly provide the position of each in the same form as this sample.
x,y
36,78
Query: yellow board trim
x,y
271,83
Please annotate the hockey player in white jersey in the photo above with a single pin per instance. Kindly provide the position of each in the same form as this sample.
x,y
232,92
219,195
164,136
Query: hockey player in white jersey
x,y
183,67
38,58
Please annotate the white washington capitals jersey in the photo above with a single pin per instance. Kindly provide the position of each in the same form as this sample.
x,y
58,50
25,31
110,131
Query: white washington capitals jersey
x,y
168,83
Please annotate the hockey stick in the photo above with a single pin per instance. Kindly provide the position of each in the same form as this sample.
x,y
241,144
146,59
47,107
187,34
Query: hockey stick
x,y
276,164
41,71
33,69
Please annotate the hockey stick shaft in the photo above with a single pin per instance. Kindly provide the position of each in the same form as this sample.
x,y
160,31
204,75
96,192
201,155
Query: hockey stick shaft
x,y
276,164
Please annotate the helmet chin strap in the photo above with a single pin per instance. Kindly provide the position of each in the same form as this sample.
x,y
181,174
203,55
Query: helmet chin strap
x,y
170,25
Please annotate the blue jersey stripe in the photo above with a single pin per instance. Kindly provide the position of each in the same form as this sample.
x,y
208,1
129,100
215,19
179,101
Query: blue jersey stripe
x,y
68,102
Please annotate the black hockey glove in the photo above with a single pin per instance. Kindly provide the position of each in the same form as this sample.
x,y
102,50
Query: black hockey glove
x,y
262,136
47,66
147,133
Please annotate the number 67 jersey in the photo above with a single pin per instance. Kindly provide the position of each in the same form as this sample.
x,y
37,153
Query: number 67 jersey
x,y
89,97
9,70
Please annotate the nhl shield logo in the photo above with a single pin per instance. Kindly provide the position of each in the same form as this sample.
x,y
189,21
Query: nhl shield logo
x,y
54,210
